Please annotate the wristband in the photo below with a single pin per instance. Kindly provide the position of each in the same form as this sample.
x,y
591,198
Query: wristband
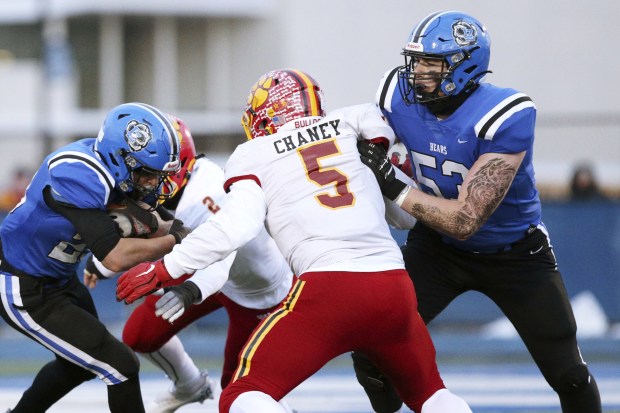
x,y
94,266
401,198
393,189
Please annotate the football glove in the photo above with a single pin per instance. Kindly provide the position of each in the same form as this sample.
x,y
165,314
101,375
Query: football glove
x,y
178,230
133,220
176,300
141,280
376,158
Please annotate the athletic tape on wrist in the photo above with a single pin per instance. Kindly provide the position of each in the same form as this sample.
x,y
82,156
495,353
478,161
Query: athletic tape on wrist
x,y
105,273
403,194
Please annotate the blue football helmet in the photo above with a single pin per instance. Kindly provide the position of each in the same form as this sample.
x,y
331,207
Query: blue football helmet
x,y
464,47
137,139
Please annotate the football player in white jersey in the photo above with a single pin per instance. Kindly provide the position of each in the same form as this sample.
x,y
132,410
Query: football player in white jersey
x,y
304,180
249,284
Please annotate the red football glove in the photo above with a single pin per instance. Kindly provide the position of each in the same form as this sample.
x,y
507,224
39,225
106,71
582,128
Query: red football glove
x,y
142,280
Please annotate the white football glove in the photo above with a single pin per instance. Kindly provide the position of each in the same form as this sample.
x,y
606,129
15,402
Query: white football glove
x,y
173,303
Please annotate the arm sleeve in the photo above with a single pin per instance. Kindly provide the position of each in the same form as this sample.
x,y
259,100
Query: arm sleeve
x,y
240,220
211,279
96,228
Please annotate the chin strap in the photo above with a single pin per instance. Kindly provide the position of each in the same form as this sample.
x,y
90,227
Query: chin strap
x,y
449,104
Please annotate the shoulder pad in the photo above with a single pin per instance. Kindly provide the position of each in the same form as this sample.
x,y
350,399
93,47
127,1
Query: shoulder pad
x,y
80,180
387,85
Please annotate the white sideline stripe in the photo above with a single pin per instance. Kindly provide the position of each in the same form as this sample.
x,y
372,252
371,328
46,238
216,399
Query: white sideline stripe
x,y
328,392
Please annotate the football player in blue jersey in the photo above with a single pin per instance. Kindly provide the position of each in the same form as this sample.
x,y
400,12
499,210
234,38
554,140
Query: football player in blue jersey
x,y
479,215
63,215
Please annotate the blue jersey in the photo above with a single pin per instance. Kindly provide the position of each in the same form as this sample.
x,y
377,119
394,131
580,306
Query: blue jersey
x,y
41,242
491,120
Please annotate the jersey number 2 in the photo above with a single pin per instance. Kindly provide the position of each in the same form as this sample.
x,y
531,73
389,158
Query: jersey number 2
x,y
311,156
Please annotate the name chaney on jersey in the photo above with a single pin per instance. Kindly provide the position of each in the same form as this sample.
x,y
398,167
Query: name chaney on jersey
x,y
323,130
133,219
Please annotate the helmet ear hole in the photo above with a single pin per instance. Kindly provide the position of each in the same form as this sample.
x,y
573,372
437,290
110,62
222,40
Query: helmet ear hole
x,y
113,160
470,69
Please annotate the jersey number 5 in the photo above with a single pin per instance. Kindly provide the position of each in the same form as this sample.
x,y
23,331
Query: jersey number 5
x,y
311,156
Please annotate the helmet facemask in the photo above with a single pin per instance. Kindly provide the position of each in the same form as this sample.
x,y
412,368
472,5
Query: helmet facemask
x,y
412,84
138,186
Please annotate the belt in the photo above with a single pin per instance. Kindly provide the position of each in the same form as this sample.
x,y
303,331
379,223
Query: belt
x,y
494,250
501,248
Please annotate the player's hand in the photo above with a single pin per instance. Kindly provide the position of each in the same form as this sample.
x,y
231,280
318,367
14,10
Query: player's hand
x,y
173,227
141,280
179,230
90,279
376,158
176,300
91,273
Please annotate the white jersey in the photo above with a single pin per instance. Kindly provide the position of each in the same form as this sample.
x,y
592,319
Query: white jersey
x,y
319,202
256,276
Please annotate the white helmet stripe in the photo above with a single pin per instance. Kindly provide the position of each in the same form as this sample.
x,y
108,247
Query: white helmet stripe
x,y
424,24
167,123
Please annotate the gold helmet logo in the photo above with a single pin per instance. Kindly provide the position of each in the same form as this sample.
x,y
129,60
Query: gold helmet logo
x,y
259,92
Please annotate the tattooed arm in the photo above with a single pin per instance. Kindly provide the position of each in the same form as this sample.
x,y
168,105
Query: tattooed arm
x,y
483,189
